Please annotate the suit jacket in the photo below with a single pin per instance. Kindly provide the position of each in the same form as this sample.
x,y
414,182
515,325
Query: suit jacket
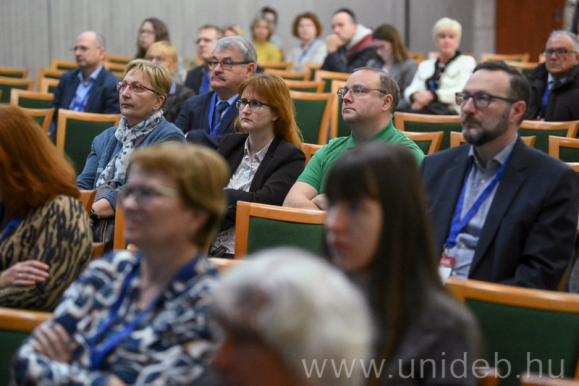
x,y
528,235
194,121
103,97
175,102
195,78
278,171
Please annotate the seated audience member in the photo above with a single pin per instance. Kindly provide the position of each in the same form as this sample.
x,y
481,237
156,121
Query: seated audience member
x,y
374,195
282,312
198,78
91,88
165,54
206,118
142,96
154,30
308,29
504,211
437,80
271,15
393,58
232,30
45,238
555,83
350,46
140,318
264,162
261,30
370,98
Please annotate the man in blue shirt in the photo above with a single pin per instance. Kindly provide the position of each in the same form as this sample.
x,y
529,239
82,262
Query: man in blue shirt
x,y
91,88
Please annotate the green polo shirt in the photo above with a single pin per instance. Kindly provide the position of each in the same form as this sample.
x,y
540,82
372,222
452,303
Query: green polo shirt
x,y
317,169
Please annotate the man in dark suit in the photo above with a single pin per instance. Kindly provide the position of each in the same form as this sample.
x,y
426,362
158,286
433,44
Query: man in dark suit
x,y
206,118
502,211
198,78
91,88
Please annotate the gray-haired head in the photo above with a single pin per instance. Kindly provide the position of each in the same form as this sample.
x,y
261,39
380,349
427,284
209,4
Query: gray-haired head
x,y
300,307
570,35
240,43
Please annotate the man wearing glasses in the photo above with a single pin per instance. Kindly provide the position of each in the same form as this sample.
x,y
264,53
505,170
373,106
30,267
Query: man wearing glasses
x,y
206,118
369,100
502,211
198,78
555,83
91,88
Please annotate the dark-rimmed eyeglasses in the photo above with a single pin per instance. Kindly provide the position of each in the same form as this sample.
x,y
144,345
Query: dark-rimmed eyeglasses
x,y
254,105
144,194
481,100
226,64
357,91
557,51
135,87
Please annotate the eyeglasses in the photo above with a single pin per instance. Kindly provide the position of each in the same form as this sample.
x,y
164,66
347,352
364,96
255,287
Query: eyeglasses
x,y
357,91
226,64
557,51
156,58
254,105
481,100
135,87
146,32
381,47
144,194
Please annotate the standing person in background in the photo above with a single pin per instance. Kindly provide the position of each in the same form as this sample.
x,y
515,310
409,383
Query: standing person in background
x,y
393,58
307,28
198,78
165,54
261,30
350,46
271,15
436,81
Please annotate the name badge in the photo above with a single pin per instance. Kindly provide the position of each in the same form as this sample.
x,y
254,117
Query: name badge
x,y
445,267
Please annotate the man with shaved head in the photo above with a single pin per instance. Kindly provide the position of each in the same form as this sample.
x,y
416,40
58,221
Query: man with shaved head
x,y
91,88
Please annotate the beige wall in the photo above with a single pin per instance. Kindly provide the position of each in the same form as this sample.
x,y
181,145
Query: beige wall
x,y
34,31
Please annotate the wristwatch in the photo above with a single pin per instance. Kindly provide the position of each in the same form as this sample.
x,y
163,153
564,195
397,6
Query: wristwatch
x,y
93,216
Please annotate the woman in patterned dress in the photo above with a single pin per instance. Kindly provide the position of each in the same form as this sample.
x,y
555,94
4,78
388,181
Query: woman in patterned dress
x,y
140,318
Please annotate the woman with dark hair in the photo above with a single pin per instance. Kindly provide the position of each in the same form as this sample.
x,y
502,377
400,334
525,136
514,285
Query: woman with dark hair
x,y
261,30
45,238
152,30
308,29
393,58
267,159
377,231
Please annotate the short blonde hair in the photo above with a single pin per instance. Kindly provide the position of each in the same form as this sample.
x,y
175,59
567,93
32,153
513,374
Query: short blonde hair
x,y
167,48
201,175
446,24
158,74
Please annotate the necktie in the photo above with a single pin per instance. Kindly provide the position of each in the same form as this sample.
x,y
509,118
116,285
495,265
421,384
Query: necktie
x,y
221,106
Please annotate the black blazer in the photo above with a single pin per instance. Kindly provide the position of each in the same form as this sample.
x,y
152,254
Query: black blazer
x,y
103,97
528,235
278,171
194,121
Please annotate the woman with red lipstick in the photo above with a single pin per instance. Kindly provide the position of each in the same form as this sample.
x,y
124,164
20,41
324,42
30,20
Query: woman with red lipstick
x,y
437,80
142,94
377,231
266,158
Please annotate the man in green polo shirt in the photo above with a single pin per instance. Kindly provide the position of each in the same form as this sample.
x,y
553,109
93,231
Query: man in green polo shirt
x,y
370,98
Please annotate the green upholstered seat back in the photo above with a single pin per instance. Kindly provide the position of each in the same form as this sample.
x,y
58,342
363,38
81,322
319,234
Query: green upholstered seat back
x,y
520,335
6,91
309,118
31,103
568,154
422,127
542,137
267,233
12,75
423,145
52,89
40,120
78,140
304,89
10,341
66,67
343,129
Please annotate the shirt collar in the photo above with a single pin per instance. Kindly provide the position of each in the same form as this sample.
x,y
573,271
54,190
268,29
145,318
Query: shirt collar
x,y
231,100
551,79
260,154
173,87
499,158
92,76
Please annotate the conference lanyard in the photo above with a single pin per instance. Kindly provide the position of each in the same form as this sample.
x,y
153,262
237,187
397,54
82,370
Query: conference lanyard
x,y
79,106
12,225
213,130
97,355
458,224
545,100
304,53
205,85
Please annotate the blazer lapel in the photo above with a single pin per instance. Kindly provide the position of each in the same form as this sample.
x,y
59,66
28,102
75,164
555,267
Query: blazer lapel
x,y
507,190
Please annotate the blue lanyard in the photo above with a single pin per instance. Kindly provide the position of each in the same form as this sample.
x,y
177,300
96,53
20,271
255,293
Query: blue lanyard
x,y
12,225
205,85
97,355
79,106
458,224
306,50
213,130
545,99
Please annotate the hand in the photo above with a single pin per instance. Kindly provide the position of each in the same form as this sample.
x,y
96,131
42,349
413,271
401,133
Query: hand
x,y
103,208
53,342
321,201
421,99
114,381
333,42
25,273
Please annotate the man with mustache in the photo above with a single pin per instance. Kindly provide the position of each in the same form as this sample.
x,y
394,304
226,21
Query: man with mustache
x,y
502,211
207,117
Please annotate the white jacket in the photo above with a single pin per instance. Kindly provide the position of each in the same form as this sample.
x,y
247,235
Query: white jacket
x,y
452,80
